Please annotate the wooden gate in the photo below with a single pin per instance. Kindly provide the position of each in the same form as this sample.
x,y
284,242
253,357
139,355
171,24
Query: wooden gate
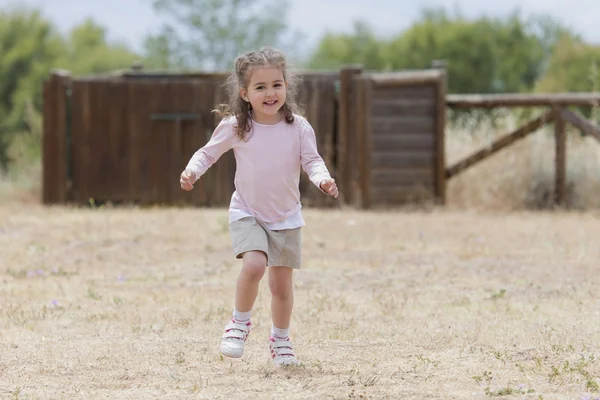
x,y
400,119
131,139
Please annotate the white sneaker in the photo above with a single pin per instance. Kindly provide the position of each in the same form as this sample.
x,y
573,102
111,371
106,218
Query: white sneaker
x,y
282,352
234,338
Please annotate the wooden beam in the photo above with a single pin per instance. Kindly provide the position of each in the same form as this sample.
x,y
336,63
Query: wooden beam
x,y
584,99
560,159
440,146
390,79
580,123
365,139
346,148
54,138
499,144
164,75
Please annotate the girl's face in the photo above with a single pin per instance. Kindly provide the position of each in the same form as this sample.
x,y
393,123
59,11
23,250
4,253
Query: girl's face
x,y
267,93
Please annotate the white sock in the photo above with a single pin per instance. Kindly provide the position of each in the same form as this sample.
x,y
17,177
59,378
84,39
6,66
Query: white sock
x,y
241,316
279,333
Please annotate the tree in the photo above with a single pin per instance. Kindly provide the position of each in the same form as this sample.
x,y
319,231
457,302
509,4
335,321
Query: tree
x,y
483,55
573,67
162,51
29,46
87,51
209,34
465,46
360,46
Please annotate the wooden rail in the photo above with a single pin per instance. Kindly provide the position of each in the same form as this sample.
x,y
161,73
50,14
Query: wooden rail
x,y
581,123
499,144
587,99
390,79
558,113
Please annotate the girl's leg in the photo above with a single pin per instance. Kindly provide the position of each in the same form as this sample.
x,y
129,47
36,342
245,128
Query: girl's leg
x,y
282,296
253,269
254,265
282,302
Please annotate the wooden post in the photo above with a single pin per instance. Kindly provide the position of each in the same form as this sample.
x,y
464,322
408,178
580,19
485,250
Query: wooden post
x,y
560,159
54,138
364,137
347,144
440,140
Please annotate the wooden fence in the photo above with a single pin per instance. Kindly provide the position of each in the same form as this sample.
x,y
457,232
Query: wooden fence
x,y
558,112
126,138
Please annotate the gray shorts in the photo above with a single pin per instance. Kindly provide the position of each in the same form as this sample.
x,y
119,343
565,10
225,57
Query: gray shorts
x,y
283,248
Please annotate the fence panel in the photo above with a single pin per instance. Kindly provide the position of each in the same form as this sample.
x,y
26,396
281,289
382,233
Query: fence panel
x,y
131,140
401,137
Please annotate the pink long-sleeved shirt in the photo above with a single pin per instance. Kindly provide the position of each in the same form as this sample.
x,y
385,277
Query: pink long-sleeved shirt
x,y
267,175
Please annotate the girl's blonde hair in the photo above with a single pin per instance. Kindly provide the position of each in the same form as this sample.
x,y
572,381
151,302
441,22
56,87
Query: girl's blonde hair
x,y
245,65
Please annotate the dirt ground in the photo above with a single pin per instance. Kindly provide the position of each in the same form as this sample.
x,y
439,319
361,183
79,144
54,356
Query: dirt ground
x,y
130,303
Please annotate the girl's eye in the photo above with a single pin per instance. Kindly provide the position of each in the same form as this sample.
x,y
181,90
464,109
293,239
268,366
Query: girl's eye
x,y
260,88
278,85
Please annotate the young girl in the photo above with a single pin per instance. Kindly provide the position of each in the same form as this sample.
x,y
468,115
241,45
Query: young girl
x,y
270,141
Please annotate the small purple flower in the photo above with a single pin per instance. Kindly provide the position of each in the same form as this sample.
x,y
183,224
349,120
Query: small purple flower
x,y
55,270
30,274
54,303
121,278
39,272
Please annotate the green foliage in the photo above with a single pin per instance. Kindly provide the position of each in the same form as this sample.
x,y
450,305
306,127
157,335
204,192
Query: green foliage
x,y
216,31
163,51
465,47
87,51
359,47
482,55
573,67
31,47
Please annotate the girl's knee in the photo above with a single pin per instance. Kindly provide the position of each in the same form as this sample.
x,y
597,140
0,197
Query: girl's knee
x,y
280,284
254,265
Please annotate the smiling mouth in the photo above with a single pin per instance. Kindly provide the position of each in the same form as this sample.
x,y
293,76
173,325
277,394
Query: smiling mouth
x,y
270,103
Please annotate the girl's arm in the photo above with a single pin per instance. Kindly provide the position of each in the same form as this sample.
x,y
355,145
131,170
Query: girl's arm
x,y
220,142
311,161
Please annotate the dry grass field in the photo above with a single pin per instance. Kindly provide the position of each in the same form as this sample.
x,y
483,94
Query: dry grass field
x,y
129,303
496,296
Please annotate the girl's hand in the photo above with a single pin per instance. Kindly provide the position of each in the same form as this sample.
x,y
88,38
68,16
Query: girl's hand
x,y
329,187
187,180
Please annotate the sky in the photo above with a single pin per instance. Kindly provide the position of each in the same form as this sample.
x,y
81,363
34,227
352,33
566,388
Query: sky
x,y
131,20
